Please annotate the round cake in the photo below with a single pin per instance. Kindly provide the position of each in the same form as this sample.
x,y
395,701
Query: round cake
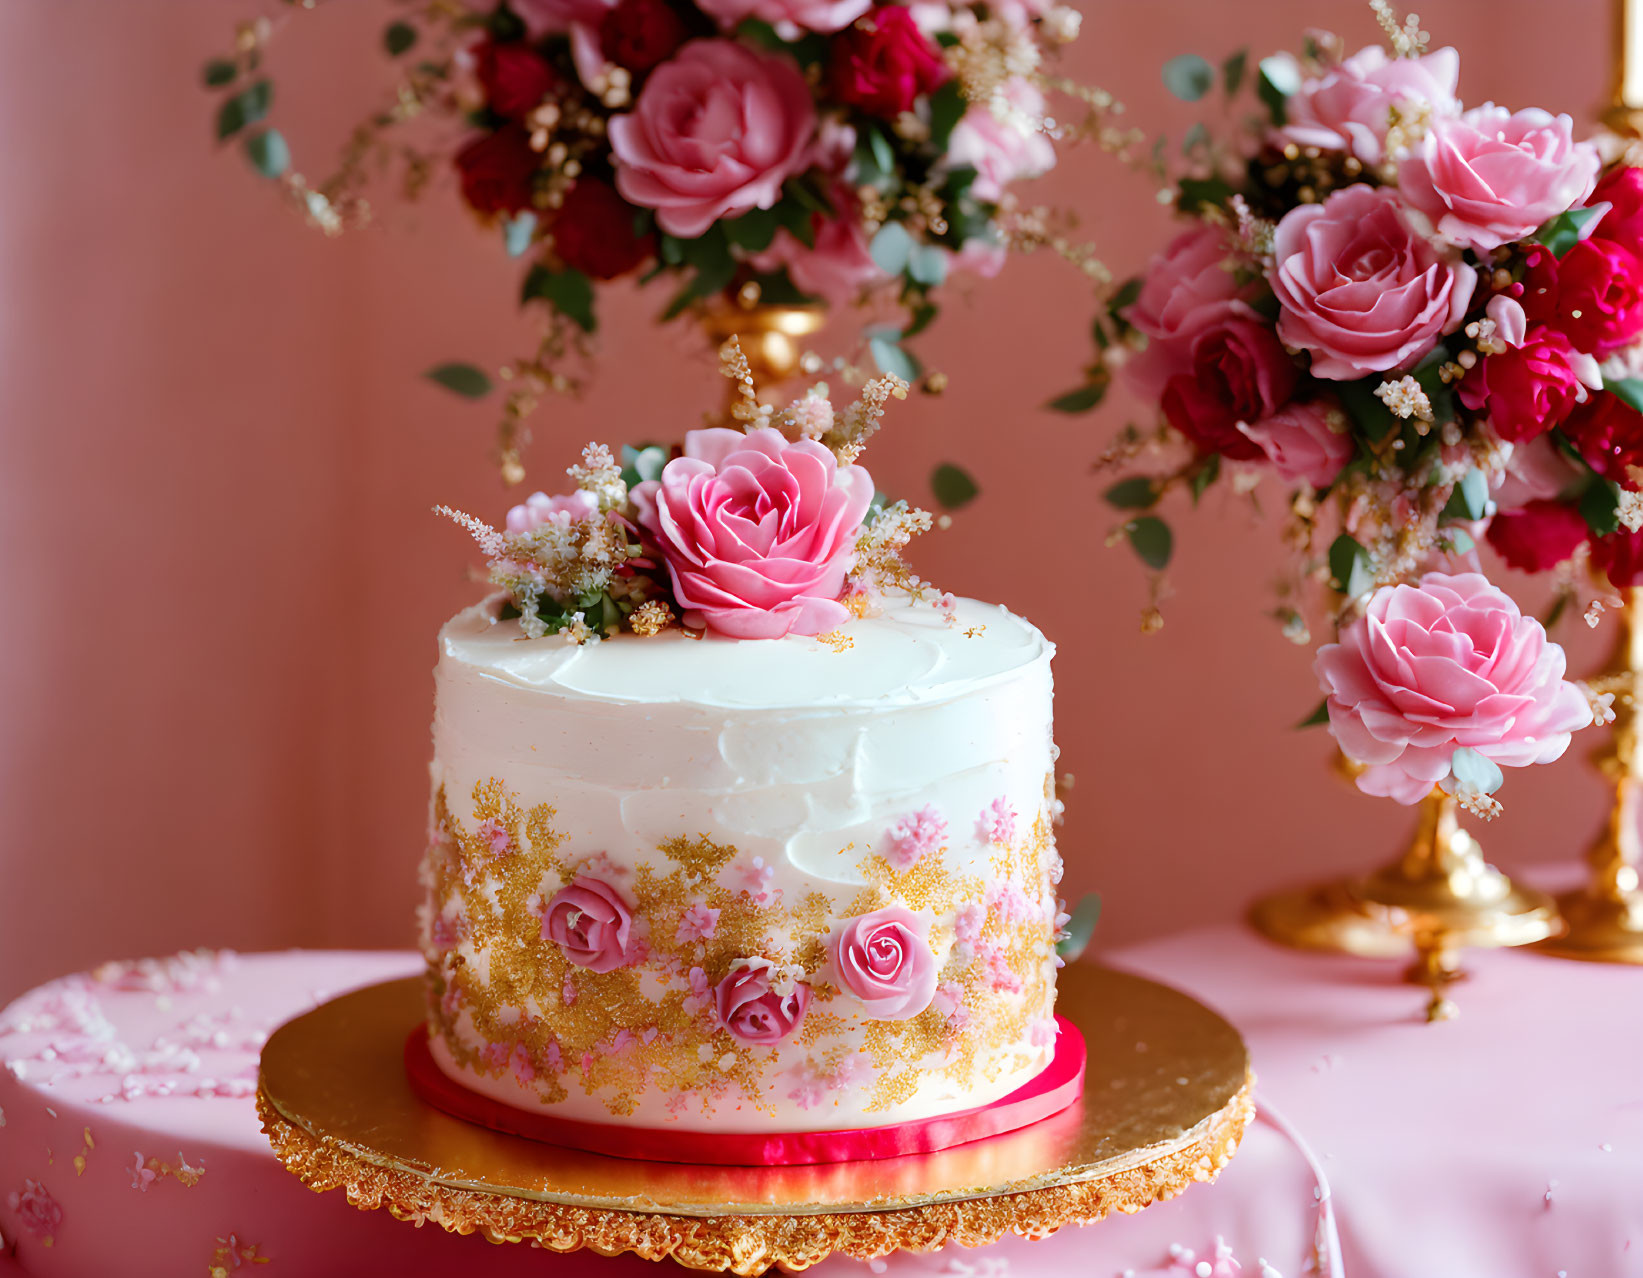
x,y
796,884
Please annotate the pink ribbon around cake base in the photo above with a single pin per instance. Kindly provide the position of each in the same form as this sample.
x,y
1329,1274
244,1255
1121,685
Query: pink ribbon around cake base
x,y
1054,1088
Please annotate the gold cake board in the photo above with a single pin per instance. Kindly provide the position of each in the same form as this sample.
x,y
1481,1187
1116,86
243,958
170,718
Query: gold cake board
x,y
1167,1096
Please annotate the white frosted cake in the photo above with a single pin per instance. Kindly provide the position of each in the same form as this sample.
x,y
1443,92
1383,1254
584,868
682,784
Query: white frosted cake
x,y
790,884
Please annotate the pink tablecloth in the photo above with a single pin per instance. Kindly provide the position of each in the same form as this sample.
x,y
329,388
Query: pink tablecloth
x,y
1509,1142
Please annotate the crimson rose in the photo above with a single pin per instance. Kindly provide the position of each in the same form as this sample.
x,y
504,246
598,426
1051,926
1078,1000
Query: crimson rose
x,y
593,232
1240,374
1594,293
1608,433
514,76
1528,389
1537,535
498,171
640,34
1621,189
883,64
1620,555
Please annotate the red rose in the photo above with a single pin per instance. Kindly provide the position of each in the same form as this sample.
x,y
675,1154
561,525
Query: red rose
x,y
639,34
1538,535
1528,389
1620,555
1594,294
515,78
499,171
1622,189
883,64
1240,373
593,231
1608,432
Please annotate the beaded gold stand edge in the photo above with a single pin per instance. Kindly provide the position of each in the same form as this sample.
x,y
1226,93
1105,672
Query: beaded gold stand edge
x,y
750,1245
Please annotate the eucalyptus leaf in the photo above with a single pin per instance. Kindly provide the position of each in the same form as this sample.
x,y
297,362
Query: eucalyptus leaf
x,y
927,265
461,379
1151,539
1188,77
1349,566
268,152
1564,231
952,486
246,107
568,292
1600,507
1232,72
1135,493
892,358
1318,717
220,72
517,232
398,38
1628,390
947,107
1470,499
891,248
1277,80
1080,400
1205,475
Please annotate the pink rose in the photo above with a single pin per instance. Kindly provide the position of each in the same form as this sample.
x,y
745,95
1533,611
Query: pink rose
x,y
884,959
1306,443
1593,293
1493,176
1526,390
1240,374
1187,288
1349,108
591,925
754,1013
1445,665
1003,148
838,265
539,509
789,17
715,133
757,532
1360,287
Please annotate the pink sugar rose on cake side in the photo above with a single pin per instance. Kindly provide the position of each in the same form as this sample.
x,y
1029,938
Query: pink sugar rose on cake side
x,y
1349,107
757,532
1433,675
714,134
884,960
591,924
750,1007
1360,288
1492,176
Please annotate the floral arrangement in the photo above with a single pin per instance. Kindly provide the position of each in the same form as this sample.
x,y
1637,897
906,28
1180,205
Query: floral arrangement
x,y
753,533
1426,321
784,151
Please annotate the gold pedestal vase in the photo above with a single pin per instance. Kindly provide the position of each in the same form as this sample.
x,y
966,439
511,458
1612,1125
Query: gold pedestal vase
x,y
772,338
1605,917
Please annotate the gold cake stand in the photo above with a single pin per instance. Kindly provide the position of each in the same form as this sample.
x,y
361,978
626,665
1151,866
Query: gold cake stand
x,y
1167,1097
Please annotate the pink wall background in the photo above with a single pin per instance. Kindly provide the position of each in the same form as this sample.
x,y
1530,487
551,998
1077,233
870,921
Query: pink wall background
x,y
221,581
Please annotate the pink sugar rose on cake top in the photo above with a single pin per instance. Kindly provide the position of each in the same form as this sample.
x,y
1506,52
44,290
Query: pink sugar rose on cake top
x,y
1493,176
1432,676
591,924
716,131
884,960
1361,288
1349,107
757,532
752,1008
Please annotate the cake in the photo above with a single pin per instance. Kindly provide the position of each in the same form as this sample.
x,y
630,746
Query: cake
x,y
745,885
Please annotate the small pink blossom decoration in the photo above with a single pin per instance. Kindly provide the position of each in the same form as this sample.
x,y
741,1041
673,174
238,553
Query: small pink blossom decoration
x,y
698,923
37,1211
1187,288
884,959
1493,176
1447,665
591,924
716,131
1305,442
142,1176
968,923
756,877
1360,287
1043,1031
915,837
751,1011
1349,107
788,15
949,1001
757,532
539,509
496,837
524,1069
997,822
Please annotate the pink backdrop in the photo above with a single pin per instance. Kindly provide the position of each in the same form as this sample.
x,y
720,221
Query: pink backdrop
x,y
222,581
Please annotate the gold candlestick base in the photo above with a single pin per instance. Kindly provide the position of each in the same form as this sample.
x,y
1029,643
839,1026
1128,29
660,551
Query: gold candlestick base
x,y
1331,919
1600,931
771,337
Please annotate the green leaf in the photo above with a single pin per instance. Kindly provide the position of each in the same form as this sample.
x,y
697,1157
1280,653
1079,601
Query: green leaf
x,y
1135,493
1197,136
1318,717
568,292
952,486
754,230
891,248
1122,300
1188,77
268,152
1205,475
890,357
1600,507
947,107
1075,937
797,221
1562,233
927,265
517,232
1151,539
1349,566
246,107
1279,78
1628,390
1079,401
220,72
1232,72
1470,498
461,379
1366,409
884,155
1203,193
398,38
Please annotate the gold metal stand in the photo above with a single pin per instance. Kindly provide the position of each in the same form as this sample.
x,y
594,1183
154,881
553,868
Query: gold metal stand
x,y
1331,919
1606,916
772,338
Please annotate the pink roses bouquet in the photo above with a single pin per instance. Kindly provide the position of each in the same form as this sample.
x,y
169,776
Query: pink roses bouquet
x,y
1426,321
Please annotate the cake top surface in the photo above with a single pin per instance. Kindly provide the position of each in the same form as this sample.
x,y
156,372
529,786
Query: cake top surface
x,y
909,653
